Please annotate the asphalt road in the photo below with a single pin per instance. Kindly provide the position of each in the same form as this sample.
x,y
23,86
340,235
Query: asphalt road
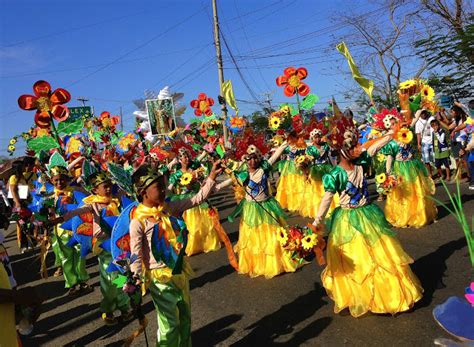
x,y
288,310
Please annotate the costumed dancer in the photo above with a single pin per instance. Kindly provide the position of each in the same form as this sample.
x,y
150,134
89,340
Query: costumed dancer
x,y
73,265
367,268
319,155
202,221
409,203
99,204
259,251
169,286
291,185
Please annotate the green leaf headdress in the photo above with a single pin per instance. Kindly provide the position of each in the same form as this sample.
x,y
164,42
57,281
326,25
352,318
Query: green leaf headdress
x,y
57,166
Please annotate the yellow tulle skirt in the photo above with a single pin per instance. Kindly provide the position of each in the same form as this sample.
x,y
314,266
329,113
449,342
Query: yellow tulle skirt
x,y
290,191
202,235
260,253
409,204
368,271
313,195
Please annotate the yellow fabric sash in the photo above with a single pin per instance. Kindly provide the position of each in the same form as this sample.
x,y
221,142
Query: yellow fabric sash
x,y
112,203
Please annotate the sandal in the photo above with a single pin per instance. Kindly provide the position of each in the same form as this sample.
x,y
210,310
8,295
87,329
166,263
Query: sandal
x,y
73,291
84,288
109,319
58,272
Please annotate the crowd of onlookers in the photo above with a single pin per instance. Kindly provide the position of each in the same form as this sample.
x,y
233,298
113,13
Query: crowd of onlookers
x,y
445,142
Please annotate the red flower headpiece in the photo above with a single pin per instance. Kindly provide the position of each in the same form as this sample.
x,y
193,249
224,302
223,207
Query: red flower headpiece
x,y
383,120
180,145
202,105
46,103
291,80
343,135
247,139
315,127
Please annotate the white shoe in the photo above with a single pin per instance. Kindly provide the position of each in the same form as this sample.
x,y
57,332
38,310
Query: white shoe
x,y
471,187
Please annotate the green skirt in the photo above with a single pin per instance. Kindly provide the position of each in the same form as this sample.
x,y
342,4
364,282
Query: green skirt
x,y
409,170
255,214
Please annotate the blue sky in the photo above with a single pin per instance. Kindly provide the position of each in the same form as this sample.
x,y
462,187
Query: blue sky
x,y
111,51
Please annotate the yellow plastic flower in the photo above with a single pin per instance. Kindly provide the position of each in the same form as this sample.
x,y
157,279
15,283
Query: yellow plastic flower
x,y
407,84
285,110
282,236
42,132
300,159
381,178
309,241
12,141
403,135
427,93
11,148
126,141
380,157
186,179
277,140
274,123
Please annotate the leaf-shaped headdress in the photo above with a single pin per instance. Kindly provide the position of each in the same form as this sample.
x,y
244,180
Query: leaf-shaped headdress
x,y
57,166
92,176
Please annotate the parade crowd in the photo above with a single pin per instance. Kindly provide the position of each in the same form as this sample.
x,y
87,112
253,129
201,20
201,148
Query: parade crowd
x,y
141,205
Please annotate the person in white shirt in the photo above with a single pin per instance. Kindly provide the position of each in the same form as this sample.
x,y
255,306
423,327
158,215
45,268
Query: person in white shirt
x,y
424,136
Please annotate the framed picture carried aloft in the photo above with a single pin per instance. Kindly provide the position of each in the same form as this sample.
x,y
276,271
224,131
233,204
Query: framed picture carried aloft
x,y
161,115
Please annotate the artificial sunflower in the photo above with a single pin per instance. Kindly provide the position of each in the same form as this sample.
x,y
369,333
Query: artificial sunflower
x,y
12,141
275,123
381,178
427,93
11,148
308,242
380,157
407,84
403,135
282,236
186,178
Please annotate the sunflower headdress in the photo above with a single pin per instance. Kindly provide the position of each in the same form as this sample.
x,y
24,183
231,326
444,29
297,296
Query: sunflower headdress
x,y
57,166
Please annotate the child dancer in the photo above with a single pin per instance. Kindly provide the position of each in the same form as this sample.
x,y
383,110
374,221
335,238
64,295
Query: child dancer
x,y
291,185
259,251
169,291
200,220
319,152
73,265
102,199
367,268
409,203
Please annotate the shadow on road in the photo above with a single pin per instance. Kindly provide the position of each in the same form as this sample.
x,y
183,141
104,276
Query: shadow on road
x,y
283,321
215,332
430,269
211,276
443,212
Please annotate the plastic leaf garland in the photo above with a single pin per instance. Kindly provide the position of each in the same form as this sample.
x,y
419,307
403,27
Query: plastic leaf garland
x,y
202,105
292,81
46,103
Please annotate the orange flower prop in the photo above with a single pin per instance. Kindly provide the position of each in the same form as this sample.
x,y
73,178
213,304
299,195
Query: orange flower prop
x,y
202,105
46,103
237,122
291,80
107,121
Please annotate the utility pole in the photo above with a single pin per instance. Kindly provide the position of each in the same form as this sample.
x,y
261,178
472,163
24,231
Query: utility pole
x,y
220,69
121,119
83,100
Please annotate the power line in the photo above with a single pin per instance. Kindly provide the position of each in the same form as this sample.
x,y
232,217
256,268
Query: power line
x,y
136,48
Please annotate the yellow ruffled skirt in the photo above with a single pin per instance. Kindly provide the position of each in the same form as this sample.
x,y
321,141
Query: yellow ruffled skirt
x,y
260,253
202,236
290,191
409,204
313,195
367,268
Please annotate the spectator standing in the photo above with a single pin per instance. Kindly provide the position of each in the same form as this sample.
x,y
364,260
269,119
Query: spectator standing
x,y
424,135
441,149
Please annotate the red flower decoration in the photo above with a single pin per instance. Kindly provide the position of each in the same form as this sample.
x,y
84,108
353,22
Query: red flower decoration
x,y
46,103
107,121
202,105
291,80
